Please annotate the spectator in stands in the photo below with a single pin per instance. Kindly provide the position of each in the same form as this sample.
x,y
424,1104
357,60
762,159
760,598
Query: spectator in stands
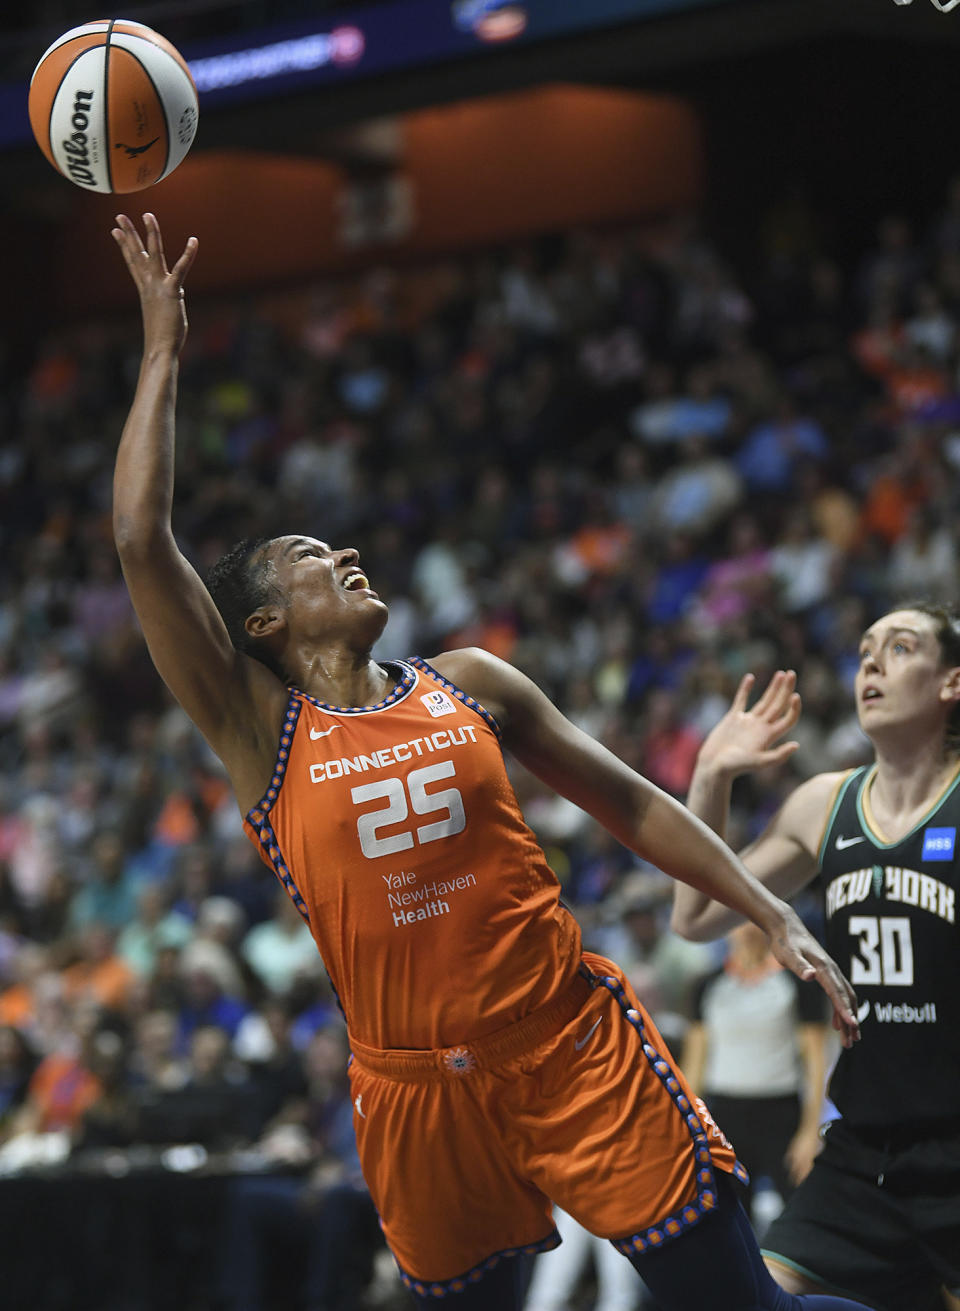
x,y
280,948
756,1052
99,975
17,1065
214,1106
108,895
314,1198
154,926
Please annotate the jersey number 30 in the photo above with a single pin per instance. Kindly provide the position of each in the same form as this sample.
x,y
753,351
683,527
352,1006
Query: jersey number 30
x,y
447,802
885,950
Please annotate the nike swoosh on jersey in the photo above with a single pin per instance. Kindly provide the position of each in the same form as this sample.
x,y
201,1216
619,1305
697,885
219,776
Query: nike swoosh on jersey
x,y
580,1043
322,732
842,843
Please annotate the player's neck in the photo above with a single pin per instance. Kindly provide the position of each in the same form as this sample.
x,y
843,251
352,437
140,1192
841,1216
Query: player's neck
x,y
910,778
343,678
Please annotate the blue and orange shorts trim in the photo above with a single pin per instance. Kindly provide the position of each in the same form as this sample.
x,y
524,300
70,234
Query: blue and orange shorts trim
x,y
465,1148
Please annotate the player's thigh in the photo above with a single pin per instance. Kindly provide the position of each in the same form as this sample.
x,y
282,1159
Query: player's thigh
x,y
602,1121
451,1203
842,1231
791,1281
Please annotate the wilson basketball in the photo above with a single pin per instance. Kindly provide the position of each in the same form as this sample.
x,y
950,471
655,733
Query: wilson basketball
x,y
113,106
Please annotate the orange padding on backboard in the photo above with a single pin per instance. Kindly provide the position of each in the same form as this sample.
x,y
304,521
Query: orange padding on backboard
x,y
479,171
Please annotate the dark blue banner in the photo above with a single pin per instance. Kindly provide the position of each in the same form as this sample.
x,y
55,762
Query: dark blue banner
x,y
369,40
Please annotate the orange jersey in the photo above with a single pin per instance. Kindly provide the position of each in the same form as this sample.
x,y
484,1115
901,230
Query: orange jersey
x,y
396,831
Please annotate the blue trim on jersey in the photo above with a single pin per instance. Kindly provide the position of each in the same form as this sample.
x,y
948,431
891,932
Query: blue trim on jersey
x,y
408,681
444,1287
257,816
706,1201
457,693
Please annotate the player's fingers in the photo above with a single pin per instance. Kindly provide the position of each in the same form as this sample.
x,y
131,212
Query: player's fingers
x,y
777,755
787,718
129,236
120,238
128,239
154,240
127,225
776,694
849,1032
769,695
844,1001
743,692
183,264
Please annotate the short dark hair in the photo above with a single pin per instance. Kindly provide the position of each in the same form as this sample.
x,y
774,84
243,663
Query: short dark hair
x,y
946,621
240,583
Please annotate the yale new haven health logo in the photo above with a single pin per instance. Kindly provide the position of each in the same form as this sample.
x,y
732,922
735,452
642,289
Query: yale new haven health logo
x,y
939,843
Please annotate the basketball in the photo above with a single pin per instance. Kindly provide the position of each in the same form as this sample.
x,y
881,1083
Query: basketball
x,y
113,106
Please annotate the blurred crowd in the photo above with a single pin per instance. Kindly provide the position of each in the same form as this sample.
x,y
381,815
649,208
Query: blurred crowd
x,y
607,456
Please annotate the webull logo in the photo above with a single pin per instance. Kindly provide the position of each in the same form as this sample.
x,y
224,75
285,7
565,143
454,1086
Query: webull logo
x,y
894,1013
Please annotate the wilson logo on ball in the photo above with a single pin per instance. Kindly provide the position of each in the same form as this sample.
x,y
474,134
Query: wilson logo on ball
x,y
75,147
113,106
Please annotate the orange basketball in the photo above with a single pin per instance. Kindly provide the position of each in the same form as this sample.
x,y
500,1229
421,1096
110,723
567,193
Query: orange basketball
x,y
113,106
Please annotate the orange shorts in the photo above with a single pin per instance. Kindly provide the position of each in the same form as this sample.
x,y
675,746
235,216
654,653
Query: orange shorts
x,y
580,1104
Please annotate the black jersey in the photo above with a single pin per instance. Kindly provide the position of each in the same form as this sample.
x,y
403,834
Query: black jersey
x,y
891,925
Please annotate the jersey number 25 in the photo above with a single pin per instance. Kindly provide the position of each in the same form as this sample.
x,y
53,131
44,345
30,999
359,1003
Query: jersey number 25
x,y
448,803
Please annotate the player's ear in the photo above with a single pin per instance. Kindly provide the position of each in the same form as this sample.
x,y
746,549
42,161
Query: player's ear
x,y
270,619
950,687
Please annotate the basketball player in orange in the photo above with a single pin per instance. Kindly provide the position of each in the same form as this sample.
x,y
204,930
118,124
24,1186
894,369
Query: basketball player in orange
x,y
496,1067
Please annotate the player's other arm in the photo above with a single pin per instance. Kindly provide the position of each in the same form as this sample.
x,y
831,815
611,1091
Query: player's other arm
x,y
639,814
783,859
187,639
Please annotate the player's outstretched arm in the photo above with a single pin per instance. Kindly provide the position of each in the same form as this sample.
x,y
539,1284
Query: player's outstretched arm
x,y
641,815
187,638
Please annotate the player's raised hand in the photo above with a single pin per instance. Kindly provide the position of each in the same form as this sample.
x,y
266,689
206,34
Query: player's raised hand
x,y
747,739
160,288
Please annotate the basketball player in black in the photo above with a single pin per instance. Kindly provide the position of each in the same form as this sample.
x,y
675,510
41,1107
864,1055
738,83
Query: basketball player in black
x,y
878,1217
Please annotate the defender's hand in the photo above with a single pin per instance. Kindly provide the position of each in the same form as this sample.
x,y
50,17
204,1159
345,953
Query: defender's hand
x,y
745,739
160,288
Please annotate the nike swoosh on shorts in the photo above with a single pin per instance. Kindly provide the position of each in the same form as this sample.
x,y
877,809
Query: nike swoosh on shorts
x,y
580,1043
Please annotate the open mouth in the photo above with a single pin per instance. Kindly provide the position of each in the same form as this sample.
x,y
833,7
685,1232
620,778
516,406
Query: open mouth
x,y
871,694
355,581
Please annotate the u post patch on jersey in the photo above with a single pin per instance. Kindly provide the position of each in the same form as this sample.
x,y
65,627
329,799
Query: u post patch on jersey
x,y
939,843
438,703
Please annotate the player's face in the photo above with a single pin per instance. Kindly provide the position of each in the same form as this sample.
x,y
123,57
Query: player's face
x,y
902,677
327,592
